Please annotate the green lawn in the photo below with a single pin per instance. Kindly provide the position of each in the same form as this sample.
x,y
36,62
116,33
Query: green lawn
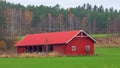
x,y
101,35
109,58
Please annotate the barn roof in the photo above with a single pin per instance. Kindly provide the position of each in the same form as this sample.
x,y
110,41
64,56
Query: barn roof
x,y
49,38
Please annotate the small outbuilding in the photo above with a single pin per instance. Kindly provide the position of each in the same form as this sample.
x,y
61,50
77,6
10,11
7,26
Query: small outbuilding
x,y
76,42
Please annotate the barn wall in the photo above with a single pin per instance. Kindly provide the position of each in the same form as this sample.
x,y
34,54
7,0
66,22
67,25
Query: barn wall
x,y
20,49
59,48
80,44
88,41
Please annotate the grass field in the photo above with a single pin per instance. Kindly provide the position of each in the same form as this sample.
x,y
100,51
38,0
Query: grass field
x,y
108,58
101,35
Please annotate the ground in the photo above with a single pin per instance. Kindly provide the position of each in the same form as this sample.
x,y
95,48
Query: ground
x,y
106,58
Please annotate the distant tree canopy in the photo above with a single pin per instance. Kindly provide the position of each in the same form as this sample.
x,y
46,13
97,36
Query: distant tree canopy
x,y
2,19
16,20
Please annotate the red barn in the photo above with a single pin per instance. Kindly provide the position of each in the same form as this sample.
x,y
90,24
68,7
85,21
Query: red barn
x,y
76,42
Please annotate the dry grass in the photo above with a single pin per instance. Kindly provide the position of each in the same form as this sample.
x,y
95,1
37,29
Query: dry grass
x,y
28,55
54,54
4,54
34,55
108,42
8,54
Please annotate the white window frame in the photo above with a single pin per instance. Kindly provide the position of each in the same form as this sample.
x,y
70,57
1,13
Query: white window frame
x,y
87,48
73,48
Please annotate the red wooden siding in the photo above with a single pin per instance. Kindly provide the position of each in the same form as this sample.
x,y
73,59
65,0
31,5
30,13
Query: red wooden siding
x,y
20,49
80,44
60,48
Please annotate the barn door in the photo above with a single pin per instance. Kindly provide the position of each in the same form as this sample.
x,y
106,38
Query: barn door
x,y
87,49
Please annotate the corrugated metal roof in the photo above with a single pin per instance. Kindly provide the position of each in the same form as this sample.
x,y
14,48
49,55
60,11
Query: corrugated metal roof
x,y
47,38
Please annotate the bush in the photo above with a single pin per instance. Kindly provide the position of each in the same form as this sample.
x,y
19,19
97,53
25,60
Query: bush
x,y
2,45
10,43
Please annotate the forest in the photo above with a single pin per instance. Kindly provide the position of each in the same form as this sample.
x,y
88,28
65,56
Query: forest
x,y
18,20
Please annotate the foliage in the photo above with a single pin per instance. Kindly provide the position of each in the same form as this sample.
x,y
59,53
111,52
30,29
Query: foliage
x,y
10,43
7,43
28,16
35,19
2,45
2,20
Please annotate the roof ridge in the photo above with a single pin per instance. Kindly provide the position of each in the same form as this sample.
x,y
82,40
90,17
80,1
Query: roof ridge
x,y
53,32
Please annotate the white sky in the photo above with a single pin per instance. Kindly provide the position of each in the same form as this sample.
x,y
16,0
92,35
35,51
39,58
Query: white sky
x,y
69,3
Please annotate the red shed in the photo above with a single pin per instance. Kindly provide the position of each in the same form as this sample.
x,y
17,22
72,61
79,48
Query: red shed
x,y
76,42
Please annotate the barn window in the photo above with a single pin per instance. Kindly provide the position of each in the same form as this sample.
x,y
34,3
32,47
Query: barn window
x,y
87,48
73,48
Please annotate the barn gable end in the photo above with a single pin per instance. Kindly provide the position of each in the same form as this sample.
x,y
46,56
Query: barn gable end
x,y
82,33
80,42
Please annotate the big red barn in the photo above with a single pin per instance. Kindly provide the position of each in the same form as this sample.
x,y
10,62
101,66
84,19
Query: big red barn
x,y
76,42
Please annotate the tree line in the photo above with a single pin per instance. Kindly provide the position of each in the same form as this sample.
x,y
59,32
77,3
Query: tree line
x,y
17,20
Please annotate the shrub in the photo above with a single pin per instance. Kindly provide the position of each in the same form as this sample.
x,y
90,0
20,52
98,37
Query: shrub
x,y
2,45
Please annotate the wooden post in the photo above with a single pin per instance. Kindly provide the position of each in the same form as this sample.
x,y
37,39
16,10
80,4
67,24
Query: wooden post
x,y
37,49
32,49
46,41
27,49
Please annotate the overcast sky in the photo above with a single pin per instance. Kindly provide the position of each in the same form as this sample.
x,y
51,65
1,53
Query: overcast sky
x,y
69,3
